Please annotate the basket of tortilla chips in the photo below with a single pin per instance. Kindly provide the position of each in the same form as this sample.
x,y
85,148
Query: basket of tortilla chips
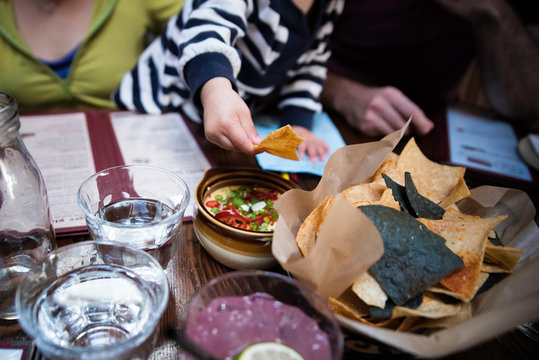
x,y
405,253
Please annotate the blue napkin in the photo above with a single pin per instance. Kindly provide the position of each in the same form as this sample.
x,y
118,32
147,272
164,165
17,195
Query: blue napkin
x,y
323,127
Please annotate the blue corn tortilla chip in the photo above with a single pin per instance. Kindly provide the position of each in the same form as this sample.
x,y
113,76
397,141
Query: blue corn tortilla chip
x,y
495,240
414,257
422,207
399,194
387,311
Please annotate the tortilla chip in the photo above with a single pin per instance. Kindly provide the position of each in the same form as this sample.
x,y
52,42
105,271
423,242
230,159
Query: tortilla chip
x,y
281,142
348,305
494,238
504,257
410,200
387,199
434,181
369,290
466,237
493,268
461,191
439,289
399,194
389,167
414,257
422,207
387,310
432,307
408,323
310,227
364,194
464,314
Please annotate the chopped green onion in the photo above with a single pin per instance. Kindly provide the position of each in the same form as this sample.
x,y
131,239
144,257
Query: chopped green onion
x,y
237,202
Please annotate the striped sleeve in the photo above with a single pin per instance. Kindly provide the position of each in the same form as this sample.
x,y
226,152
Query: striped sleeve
x,y
300,95
174,67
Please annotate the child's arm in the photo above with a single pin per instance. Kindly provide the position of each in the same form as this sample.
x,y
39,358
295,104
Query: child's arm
x,y
227,119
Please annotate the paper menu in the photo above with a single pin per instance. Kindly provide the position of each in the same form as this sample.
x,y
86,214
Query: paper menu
x,y
68,148
60,145
163,141
484,144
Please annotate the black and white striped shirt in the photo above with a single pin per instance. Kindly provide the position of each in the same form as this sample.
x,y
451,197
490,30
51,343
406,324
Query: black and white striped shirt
x,y
259,45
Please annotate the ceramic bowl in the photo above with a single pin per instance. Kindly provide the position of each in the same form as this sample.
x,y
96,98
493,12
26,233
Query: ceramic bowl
x,y
233,247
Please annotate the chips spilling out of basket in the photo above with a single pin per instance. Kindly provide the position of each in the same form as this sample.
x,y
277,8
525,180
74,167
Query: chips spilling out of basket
x,y
436,258
281,142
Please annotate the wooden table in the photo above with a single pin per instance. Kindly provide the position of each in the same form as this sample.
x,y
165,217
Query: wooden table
x,y
193,267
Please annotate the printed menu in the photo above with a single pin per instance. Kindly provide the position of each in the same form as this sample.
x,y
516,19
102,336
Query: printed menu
x,y
68,148
485,144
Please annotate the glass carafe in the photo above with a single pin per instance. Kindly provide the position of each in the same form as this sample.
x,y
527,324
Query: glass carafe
x,y
26,234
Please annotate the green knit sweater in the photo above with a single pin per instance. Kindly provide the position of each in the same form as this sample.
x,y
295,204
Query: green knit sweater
x,y
111,47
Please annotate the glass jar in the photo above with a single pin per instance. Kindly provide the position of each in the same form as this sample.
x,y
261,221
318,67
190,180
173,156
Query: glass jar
x,y
26,234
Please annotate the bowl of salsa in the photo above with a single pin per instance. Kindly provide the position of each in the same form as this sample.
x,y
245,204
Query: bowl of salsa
x,y
235,218
240,310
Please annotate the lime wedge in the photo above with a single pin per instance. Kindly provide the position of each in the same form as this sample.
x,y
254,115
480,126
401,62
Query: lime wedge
x,y
268,351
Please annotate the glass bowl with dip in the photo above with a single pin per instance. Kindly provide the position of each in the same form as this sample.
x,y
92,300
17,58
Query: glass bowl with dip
x,y
234,217
253,310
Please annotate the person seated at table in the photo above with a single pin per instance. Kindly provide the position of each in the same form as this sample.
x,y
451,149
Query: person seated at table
x,y
217,58
396,58
73,53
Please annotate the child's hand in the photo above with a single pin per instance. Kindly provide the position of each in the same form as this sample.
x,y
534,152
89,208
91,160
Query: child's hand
x,y
313,145
227,119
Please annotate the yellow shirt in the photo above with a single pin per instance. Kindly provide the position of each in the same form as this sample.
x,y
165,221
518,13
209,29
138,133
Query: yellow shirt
x,y
111,47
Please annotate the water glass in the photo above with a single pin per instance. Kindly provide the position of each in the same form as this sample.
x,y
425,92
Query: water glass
x,y
138,205
93,300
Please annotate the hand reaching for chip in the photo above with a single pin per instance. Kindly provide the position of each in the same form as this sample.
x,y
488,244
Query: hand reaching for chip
x,y
227,119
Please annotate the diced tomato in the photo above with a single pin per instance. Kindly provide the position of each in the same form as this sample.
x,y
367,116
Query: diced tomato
x,y
260,218
212,203
255,193
234,219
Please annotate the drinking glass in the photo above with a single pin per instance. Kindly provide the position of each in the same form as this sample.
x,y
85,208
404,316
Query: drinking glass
x,y
93,300
138,205
242,308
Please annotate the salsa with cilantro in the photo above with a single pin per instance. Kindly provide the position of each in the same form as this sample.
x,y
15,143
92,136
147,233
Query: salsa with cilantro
x,y
244,207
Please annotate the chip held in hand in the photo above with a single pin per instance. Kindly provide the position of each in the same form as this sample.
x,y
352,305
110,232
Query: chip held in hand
x,y
281,142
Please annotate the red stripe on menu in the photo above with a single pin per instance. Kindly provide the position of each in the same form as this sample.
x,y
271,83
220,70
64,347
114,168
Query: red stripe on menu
x,y
105,146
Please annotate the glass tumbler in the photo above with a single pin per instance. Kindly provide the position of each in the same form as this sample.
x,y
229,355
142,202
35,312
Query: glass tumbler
x,y
93,300
137,205
26,234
